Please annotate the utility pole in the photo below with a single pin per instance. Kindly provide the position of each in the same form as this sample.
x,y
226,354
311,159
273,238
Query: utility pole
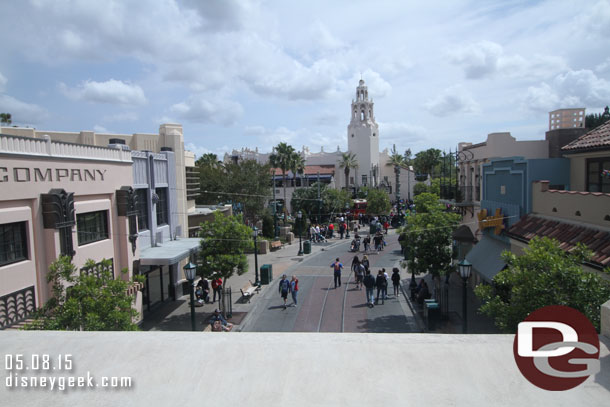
x,y
319,202
275,227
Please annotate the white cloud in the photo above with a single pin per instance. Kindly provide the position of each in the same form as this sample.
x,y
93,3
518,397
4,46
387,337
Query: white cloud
x,y
581,88
3,82
100,129
451,101
197,109
22,112
478,60
603,67
200,150
111,92
122,117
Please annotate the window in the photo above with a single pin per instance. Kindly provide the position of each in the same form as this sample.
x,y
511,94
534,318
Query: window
x,y
595,181
13,243
142,209
162,206
92,227
364,180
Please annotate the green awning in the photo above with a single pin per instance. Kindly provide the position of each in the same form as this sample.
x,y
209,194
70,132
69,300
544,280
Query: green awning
x,y
485,257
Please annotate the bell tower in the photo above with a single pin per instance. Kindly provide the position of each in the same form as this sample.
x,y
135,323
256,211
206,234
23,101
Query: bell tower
x,y
363,137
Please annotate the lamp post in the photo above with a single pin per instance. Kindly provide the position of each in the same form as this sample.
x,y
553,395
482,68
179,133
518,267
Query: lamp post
x,y
300,217
347,220
254,235
190,270
465,268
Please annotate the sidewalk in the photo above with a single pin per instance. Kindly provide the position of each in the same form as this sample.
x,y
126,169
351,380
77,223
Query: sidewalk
x,y
176,315
452,323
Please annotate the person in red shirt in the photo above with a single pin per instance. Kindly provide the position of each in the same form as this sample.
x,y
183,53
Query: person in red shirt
x,y
217,287
331,227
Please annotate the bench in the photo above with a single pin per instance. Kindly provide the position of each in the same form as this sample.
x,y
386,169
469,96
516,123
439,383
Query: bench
x,y
249,290
275,245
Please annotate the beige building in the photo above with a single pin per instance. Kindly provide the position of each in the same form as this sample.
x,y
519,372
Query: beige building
x,y
567,118
578,215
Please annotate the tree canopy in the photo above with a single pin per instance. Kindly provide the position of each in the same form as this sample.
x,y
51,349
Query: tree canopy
x,y
425,161
92,300
427,237
544,275
332,201
223,246
5,118
377,202
597,119
348,162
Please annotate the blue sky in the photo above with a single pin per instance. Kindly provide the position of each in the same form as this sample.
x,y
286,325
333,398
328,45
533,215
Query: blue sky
x,y
252,73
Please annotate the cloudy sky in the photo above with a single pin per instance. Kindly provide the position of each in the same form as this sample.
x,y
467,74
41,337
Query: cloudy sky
x,y
251,73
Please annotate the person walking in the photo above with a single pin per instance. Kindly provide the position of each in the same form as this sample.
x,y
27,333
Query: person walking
x,y
284,288
387,279
355,267
331,229
341,230
365,262
367,243
396,281
294,289
381,284
369,284
337,267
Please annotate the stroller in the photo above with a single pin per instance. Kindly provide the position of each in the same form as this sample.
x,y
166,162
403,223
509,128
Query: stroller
x,y
355,245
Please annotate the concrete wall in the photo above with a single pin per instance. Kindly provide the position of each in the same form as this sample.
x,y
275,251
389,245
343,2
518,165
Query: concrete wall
x,y
593,206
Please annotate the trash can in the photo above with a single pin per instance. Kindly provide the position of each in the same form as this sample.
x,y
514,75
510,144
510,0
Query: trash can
x,y
433,315
373,228
306,247
266,273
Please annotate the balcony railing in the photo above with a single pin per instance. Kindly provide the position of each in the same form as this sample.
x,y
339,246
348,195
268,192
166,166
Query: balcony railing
x,y
461,193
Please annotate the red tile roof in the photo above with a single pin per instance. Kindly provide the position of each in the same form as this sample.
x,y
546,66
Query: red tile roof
x,y
568,235
598,138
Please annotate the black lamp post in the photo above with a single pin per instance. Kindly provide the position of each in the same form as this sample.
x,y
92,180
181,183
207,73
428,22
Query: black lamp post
x,y
347,220
255,234
190,270
300,218
465,268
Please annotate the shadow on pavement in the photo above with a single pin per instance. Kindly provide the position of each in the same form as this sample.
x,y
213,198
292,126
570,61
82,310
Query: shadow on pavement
x,y
385,324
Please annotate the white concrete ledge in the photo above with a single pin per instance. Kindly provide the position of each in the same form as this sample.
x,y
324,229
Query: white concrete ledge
x,y
188,368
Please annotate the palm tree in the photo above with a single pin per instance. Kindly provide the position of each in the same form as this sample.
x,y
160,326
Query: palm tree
x,y
282,157
297,167
5,118
398,162
347,162
208,160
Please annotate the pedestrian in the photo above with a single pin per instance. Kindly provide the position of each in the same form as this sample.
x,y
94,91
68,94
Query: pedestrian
x,y
369,284
386,226
341,230
217,287
381,283
346,228
337,266
219,323
331,229
284,288
365,262
360,276
294,289
387,279
355,267
367,243
396,280
377,240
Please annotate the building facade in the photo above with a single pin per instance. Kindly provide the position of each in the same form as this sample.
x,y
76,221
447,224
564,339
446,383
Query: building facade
x,y
567,118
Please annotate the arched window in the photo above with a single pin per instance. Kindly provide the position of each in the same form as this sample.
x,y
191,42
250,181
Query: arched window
x,y
362,115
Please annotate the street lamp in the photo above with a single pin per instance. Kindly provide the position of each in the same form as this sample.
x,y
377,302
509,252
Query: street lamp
x,y
465,267
254,235
190,270
347,220
299,217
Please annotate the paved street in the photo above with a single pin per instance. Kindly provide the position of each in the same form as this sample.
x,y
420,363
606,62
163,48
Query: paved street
x,y
322,308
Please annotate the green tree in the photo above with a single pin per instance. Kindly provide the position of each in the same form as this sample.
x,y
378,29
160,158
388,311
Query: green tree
x,y
347,162
92,300
223,245
282,157
420,188
426,160
297,166
377,202
208,160
544,275
427,237
597,119
5,118
247,182
332,201
397,161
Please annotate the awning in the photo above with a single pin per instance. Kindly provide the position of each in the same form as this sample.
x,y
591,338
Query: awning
x,y
170,252
485,257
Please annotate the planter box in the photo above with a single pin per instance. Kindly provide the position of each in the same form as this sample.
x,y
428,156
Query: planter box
x,y
263,246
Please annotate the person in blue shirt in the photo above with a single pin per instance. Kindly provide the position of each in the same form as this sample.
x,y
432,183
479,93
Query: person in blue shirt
x,y
284,288
219,323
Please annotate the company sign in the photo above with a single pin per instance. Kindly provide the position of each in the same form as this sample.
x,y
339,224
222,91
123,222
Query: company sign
x,y
556,348
25,174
